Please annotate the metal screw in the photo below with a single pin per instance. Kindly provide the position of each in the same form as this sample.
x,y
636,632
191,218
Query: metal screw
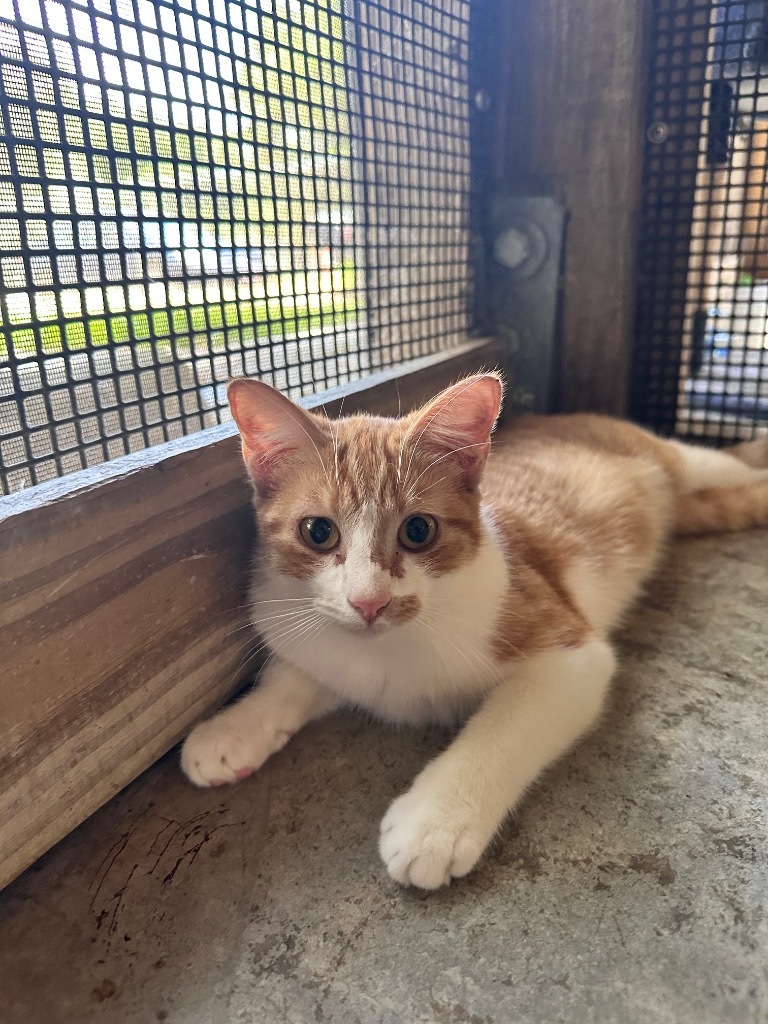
x,y
512,248
482,100
658,132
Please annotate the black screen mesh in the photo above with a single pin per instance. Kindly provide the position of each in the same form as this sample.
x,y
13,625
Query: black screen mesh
x,y
702,346
191,189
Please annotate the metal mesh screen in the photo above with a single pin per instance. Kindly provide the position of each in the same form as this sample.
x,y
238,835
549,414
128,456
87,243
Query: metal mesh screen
x,y
191,189
702,344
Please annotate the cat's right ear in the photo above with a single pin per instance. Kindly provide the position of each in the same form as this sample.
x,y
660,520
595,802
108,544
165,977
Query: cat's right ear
x,y
457,425
272,428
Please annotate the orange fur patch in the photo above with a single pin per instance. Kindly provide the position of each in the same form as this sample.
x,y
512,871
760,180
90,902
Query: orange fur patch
x,y
356,468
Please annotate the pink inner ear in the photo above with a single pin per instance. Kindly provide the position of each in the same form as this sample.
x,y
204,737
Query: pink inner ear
x,y
262,460
259,431
467,411
271,427
460,420
482,408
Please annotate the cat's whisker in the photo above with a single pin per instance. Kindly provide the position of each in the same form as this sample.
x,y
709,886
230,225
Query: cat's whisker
x,y
283,619
255,623
317,450
296,636
411,453
462,448
290,604
307,622
443,644
406,438
240,628
429,623
273,612
288,629
335,437
273,642
246,657
341,413
315,630
438,648
412,495
441,409
253,638
246,607
335,441
462,649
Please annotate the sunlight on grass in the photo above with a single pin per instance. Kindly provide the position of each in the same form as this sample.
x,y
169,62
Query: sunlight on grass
x,y
282,306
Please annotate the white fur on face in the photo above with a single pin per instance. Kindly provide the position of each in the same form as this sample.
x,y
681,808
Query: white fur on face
x,y
355,576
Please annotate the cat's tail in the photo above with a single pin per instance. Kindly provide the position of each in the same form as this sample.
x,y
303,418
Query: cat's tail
x,y
721,509
753,453
723,490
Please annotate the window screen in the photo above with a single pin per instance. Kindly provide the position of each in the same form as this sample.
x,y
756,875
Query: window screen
x,y
702,367
195,189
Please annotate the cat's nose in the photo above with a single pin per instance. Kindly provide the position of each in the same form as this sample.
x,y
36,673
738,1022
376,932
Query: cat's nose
x,y
369,608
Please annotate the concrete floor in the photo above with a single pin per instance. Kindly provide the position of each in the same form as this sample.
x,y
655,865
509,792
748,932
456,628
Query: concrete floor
x,y
631,887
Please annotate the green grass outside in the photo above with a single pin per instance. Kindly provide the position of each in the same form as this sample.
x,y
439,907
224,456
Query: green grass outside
x,y
283,316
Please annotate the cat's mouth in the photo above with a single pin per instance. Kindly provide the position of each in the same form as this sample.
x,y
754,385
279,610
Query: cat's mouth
x,y
360,628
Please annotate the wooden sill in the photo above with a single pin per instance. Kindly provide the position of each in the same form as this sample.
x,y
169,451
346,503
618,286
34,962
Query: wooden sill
x,y
121,589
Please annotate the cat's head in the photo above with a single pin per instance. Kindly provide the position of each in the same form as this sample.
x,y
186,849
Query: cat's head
x,y
369,513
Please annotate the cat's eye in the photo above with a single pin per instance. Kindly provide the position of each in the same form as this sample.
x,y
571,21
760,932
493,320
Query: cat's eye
x,y
319,533
417,532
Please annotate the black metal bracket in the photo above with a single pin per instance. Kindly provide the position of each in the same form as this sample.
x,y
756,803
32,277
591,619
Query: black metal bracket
x,y
524,271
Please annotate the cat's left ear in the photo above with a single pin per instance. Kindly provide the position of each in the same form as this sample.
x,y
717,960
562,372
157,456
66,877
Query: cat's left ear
x,y
274,431
459,422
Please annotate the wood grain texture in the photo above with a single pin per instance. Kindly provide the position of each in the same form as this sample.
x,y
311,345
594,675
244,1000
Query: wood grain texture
x,y
117,606
571,125
121,592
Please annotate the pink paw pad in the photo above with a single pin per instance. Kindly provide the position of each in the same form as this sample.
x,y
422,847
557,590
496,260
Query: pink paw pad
x,y
243,773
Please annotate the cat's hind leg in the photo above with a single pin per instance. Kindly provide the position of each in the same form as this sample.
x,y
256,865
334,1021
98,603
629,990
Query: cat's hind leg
x,y
239,739
442,825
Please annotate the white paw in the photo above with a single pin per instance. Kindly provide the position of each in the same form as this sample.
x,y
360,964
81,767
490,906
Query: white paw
x,y
428,839
226,750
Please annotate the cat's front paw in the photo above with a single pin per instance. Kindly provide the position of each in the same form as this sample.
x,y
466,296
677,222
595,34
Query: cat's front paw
x,y
427,839
224,750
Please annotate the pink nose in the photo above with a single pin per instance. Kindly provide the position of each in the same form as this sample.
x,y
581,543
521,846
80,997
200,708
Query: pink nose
x,y
369,608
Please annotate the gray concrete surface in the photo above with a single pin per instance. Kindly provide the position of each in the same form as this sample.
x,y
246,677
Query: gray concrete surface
x,y
631,887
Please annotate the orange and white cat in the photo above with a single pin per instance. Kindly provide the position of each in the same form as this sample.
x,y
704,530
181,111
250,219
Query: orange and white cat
x,y
401,570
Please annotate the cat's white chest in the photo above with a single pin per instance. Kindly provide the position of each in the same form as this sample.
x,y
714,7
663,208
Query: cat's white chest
x,y
400,676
